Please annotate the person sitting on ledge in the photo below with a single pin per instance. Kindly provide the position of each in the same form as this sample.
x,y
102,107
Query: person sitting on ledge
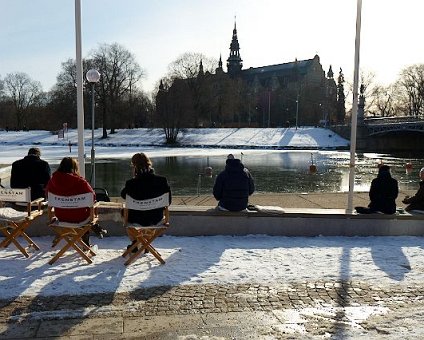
x,y
383,193
233,186
416,202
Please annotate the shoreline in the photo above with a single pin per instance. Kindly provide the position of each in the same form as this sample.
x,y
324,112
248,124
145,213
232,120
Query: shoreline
x,y
336,200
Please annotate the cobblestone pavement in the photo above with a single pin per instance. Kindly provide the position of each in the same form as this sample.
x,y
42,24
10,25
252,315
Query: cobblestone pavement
x,y
222,311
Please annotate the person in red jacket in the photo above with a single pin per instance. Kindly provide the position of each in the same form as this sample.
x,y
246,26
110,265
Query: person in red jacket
x,y
66,181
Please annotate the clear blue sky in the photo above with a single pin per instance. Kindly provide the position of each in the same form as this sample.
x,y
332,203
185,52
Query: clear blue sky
x,y
36,36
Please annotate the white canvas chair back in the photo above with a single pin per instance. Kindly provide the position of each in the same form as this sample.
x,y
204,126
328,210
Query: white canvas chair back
x,y
71,202
147,204
13,223
15,195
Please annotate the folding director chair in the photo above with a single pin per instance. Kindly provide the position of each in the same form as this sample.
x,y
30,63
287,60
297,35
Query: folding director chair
x,y
14,223
72,232
143,236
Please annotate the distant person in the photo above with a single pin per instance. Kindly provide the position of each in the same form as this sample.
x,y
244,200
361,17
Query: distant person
x,y
383,193
233,186
416,202
145,184
66,181
31,171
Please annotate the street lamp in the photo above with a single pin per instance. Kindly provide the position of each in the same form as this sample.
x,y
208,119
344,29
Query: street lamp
x,y
93,76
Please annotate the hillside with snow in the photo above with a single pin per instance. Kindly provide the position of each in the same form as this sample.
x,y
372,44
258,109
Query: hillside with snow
x,y
267,138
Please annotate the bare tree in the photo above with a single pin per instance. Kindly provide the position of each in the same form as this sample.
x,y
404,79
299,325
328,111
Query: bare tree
x,y
383,104
23,92
193,67
120,74
411,87
63,96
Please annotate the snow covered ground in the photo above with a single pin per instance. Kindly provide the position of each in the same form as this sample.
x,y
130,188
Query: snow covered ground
x,y
215,259
303,137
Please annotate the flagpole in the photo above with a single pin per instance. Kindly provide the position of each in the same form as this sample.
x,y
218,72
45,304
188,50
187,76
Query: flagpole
x,y
80,104
354,108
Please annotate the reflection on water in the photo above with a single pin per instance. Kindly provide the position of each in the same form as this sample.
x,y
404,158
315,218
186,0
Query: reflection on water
x,y
272,171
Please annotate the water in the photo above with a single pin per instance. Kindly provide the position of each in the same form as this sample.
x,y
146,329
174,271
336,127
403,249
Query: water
x,y
283,171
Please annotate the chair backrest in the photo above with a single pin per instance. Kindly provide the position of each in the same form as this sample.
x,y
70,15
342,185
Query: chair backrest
x,y
15,195
71,202
147,204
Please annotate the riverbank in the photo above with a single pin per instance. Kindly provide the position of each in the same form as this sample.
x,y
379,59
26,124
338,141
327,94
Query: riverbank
x,y
241,138
325,200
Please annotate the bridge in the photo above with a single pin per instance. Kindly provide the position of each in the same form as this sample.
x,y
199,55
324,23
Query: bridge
x,y
387,134
377,126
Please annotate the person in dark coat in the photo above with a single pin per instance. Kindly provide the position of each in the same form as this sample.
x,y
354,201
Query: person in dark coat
x,y
31,171
144,185
383,193
416,202
233,186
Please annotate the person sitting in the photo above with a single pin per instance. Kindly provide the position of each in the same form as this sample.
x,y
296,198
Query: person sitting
x,y
233,186
31,171
416,202
66,181
145,184
383,193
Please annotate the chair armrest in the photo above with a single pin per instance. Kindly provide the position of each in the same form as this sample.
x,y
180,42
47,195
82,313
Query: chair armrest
x,y
39,202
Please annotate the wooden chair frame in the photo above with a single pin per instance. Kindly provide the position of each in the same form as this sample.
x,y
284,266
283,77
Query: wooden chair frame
x,y
15,227
72,233
143,236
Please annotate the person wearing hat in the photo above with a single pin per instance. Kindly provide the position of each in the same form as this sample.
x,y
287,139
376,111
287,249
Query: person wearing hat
x,y
416,202
383,193
233,186
31,171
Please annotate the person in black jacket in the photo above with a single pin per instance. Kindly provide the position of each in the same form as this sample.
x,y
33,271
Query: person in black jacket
x,y
144,185
383,193
233,186
416,202
31,171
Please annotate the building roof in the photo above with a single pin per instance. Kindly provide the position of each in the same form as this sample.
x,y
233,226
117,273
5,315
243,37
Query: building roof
x,y
279,69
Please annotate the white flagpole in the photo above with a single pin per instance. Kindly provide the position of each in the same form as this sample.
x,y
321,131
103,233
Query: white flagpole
x,y
354,108
80,104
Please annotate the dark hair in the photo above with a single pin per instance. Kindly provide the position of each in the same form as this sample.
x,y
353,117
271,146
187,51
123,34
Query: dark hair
x,y
384,168
141,163
68,165
34,151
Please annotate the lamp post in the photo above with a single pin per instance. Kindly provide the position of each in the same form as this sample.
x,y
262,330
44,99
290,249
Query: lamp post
x,y
93,76
269,108
297,109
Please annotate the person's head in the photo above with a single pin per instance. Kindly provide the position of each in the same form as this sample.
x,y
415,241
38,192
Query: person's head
x,y
230,156
68,165
384,170
422,174
141,163
34,152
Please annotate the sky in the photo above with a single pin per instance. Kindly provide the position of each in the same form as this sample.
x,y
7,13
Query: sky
x,y
37,36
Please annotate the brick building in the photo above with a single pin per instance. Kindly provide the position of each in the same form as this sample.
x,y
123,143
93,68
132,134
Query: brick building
x,y
297,92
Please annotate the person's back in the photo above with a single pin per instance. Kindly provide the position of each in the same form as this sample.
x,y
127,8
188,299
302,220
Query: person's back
x,y
31,171
233,186
144,185
66,181
416,202
383,192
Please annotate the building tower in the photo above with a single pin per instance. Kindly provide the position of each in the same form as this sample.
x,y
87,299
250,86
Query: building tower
x,y
234,62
